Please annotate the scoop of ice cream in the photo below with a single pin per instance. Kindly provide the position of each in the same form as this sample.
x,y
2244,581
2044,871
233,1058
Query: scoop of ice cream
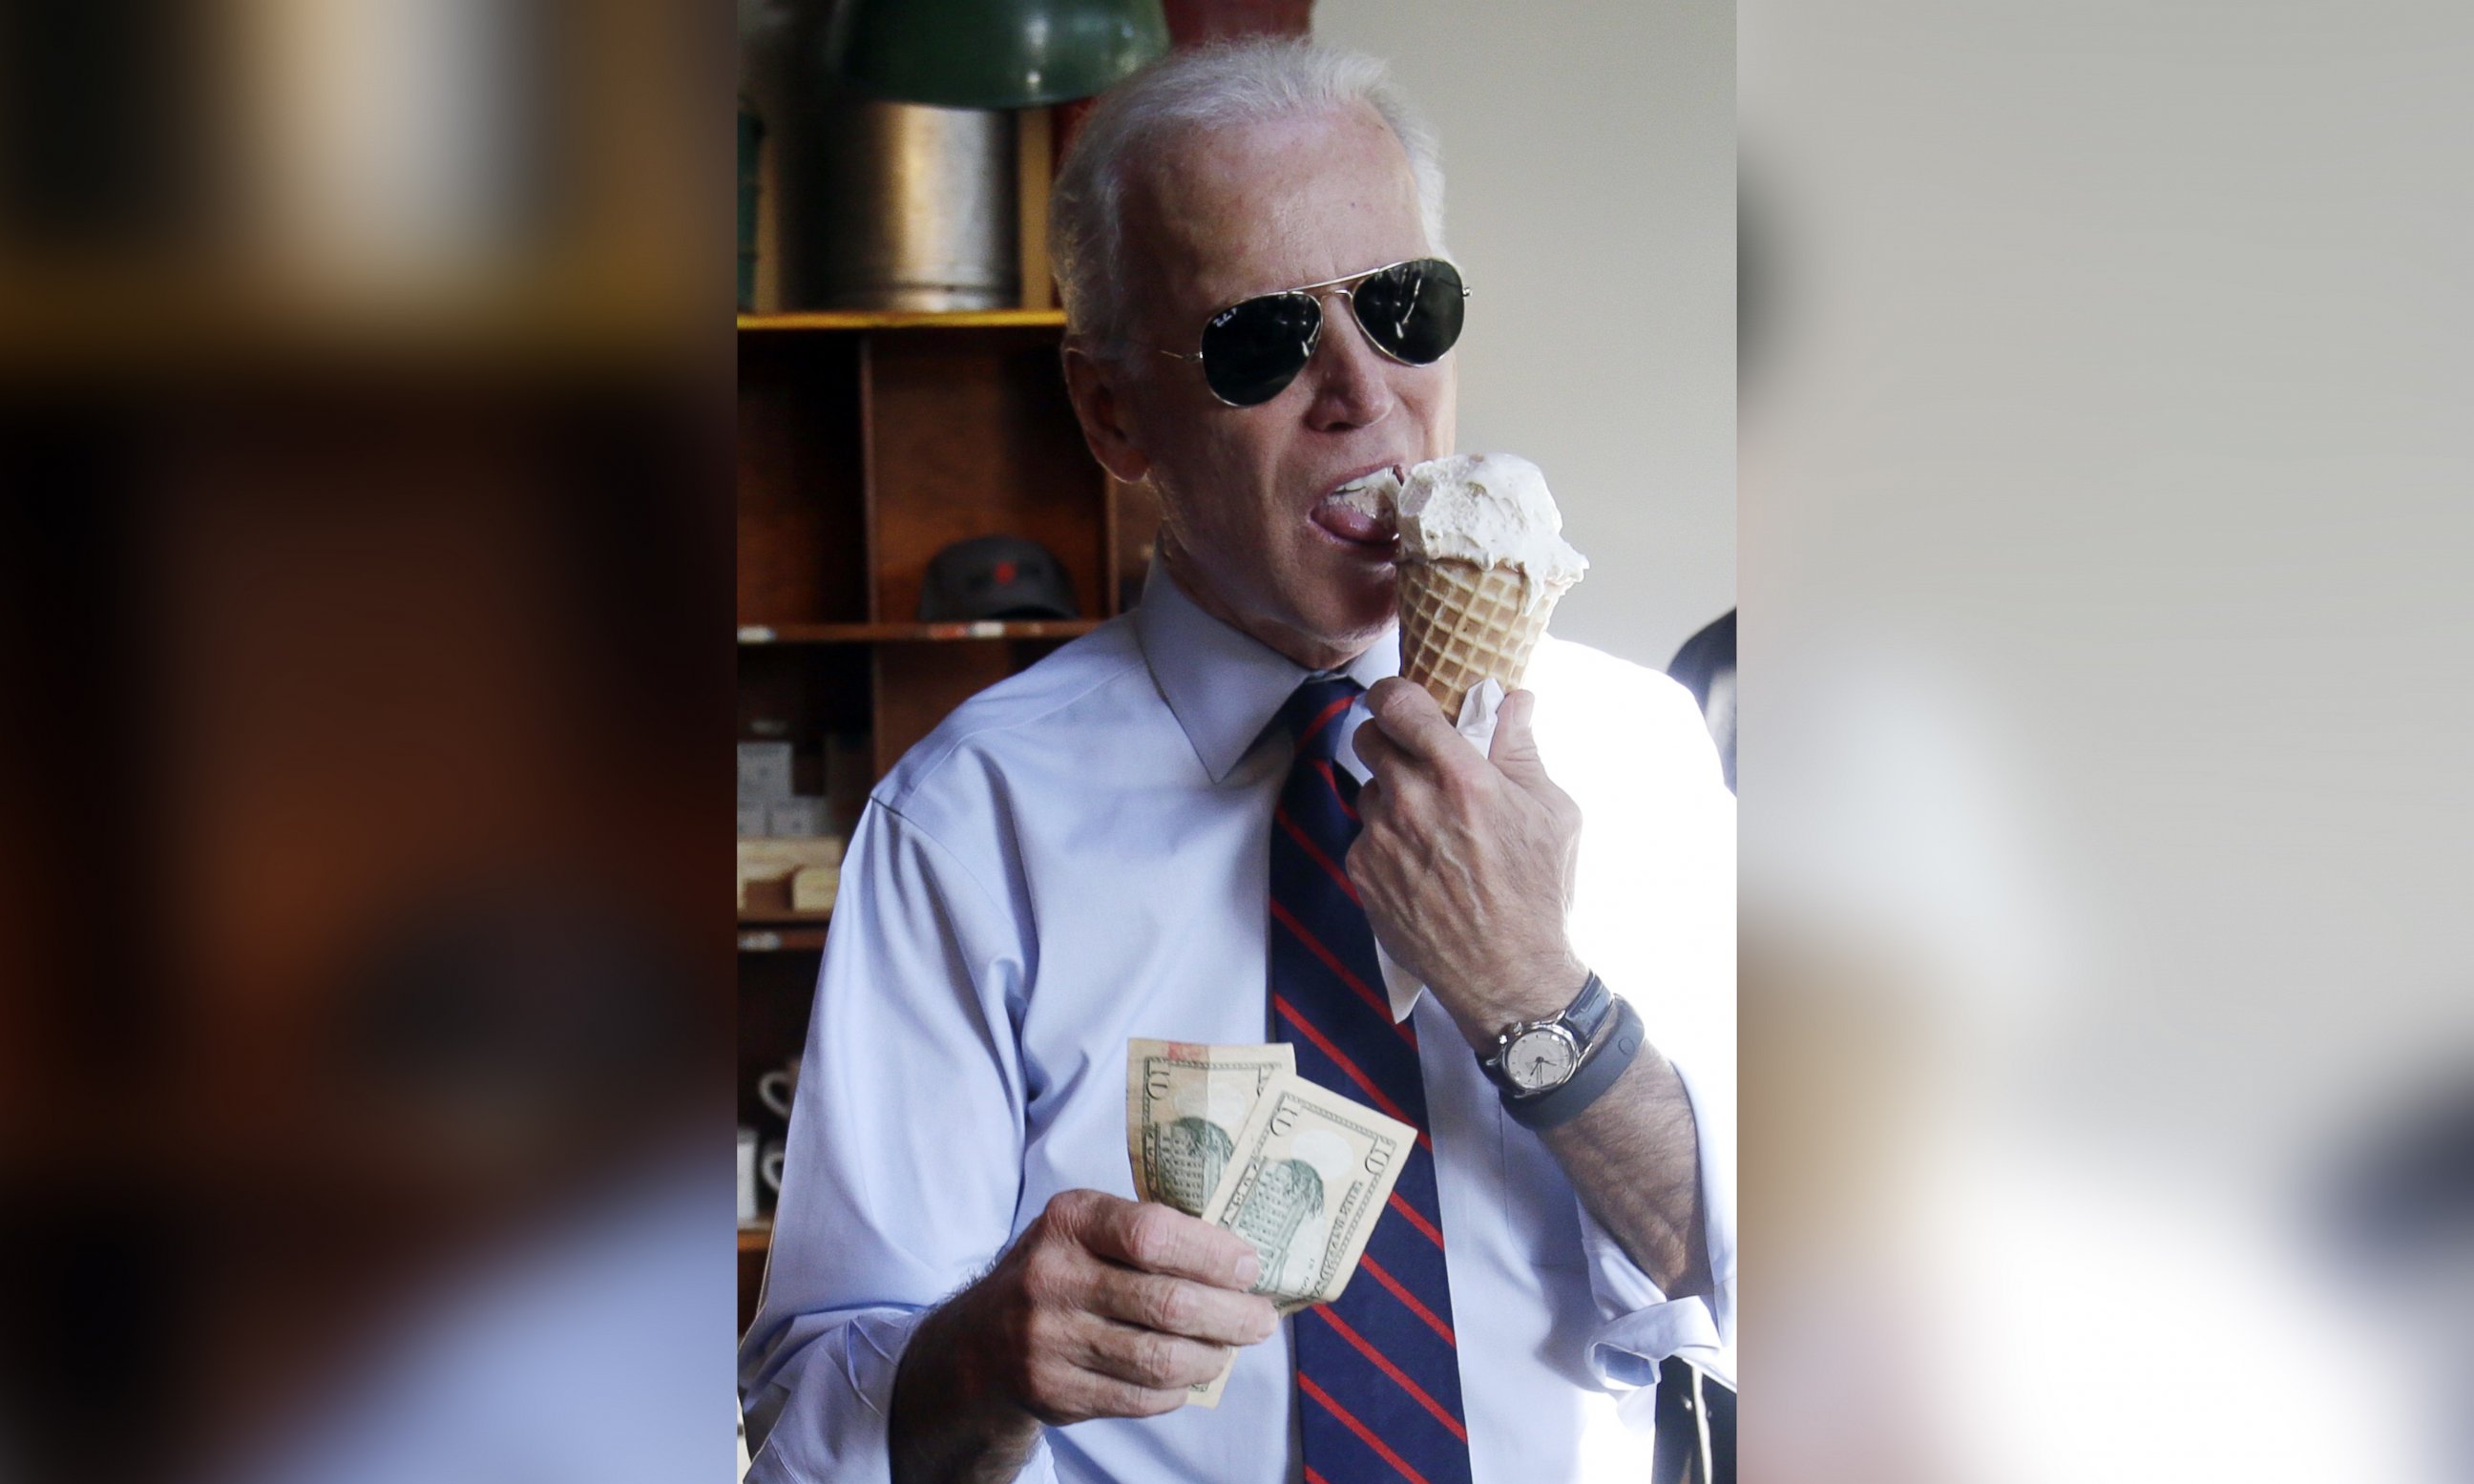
x,y
1374,496
1491,510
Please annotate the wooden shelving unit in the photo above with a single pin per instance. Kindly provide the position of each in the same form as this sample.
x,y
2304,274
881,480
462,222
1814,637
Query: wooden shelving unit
x,y
906,319
867,443
875,633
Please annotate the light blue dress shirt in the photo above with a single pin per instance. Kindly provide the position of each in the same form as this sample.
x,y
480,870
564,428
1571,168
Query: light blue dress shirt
x,y
1079,855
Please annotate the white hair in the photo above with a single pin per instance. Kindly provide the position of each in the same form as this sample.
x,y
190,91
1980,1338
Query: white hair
x,y
1222,84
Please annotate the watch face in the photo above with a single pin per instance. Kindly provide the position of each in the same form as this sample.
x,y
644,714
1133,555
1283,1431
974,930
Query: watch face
x,y
1541,1058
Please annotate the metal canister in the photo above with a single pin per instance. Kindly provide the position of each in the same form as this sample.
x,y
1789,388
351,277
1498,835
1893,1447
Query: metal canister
x,y
901,206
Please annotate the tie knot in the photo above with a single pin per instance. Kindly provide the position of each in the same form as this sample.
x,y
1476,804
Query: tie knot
x,y
1312,716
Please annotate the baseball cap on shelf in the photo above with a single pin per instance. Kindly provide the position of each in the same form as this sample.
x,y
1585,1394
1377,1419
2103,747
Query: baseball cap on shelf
x,y
995,577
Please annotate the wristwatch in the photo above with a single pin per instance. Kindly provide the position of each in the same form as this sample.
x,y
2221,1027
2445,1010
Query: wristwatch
x,y
1550,1070
1533,1058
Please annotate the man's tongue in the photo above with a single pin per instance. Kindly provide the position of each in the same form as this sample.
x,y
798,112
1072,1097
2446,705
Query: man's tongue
x,y
1349,524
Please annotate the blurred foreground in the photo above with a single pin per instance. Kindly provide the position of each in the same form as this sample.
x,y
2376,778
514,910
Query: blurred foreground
x,y
2108,1005
363,579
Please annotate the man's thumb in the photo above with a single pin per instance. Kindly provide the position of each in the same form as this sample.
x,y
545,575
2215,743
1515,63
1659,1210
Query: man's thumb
x,y
1515,748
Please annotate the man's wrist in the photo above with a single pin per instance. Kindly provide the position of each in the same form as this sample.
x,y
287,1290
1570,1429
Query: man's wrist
x,y
1522,995
950,1419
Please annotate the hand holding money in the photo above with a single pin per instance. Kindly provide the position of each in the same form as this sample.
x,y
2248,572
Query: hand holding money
x,y
1233,1136
1103,1308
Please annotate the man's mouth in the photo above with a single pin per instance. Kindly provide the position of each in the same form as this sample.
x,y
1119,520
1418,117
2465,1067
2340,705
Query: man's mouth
x,y
1347,514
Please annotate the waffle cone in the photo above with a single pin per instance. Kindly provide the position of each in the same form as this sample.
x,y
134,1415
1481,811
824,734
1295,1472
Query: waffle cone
x,y
1460,623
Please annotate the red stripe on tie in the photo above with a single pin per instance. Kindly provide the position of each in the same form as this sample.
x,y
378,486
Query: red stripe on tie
x,y
1322,719
1376,1002
1312,1478
1367,1083
1316,851
1345,807
1365,1434
1417,1218
1411,1300
1383,1363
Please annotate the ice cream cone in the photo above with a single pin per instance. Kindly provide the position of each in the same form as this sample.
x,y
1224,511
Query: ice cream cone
x,y
1460,623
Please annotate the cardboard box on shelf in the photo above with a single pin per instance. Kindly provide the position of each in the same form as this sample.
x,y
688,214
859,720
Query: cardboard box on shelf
x,y
797,819
813,888
766,867
763,772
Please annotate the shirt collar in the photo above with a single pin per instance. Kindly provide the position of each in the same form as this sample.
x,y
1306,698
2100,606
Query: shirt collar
x,y
1222,686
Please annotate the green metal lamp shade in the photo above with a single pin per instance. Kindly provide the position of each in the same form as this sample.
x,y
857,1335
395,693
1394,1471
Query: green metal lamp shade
x,y
992,53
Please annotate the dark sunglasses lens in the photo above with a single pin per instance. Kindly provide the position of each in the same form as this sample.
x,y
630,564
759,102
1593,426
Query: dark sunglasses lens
x,y
1251,350
1413,311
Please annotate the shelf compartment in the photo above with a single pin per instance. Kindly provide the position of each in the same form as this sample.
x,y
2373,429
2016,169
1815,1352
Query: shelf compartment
x,y
802,482
972,434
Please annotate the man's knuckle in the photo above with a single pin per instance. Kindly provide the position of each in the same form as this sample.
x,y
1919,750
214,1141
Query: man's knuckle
x,y
1174,1307
1151,1237
1124,1398
1155,1356
1051,1224
1266,1318
1046,1278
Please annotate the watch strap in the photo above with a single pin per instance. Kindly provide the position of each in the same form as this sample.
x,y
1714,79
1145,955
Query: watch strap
x,y
1602,1061
1587,1014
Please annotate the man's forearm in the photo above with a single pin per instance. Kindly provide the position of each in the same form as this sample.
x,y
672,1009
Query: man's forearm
x,y
1635,1157
946,1427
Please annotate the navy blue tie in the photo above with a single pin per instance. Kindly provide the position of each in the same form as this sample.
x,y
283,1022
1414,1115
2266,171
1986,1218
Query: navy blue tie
x,y
1378,1370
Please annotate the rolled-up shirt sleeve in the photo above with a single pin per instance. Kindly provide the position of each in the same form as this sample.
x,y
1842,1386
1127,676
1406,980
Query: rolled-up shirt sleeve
x,y
1641,1325
1656,919
903,1165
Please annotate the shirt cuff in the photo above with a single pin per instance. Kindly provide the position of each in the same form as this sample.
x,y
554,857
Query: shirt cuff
x,y
828,1418
1645,1327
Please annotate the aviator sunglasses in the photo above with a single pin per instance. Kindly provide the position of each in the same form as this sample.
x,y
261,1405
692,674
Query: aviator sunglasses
x,y
1411,311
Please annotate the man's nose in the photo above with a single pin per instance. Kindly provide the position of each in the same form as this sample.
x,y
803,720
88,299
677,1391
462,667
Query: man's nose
x,y
1351,379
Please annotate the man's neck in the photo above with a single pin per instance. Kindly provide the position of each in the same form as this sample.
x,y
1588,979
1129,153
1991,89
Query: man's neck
x,y
1305,651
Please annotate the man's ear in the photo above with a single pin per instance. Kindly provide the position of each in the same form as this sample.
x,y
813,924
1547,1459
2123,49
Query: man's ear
x,y
1099,394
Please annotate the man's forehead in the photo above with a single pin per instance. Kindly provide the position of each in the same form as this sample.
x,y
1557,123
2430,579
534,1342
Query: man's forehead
x,y
1219,214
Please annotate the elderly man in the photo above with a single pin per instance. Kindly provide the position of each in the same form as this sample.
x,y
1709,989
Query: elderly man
x,y
1248,241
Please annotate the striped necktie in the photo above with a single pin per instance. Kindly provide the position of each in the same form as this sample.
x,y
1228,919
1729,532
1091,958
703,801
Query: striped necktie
x,y
1379,1372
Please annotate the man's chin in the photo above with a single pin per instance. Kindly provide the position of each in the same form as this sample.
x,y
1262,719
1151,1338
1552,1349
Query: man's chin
x,y
1365,613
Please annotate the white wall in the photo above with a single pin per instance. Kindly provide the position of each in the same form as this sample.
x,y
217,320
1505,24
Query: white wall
x,y
1590,151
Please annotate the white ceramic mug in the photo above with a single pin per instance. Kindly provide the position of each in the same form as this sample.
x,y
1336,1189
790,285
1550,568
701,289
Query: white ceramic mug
x,y
748,1162
770,1166
776,1089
